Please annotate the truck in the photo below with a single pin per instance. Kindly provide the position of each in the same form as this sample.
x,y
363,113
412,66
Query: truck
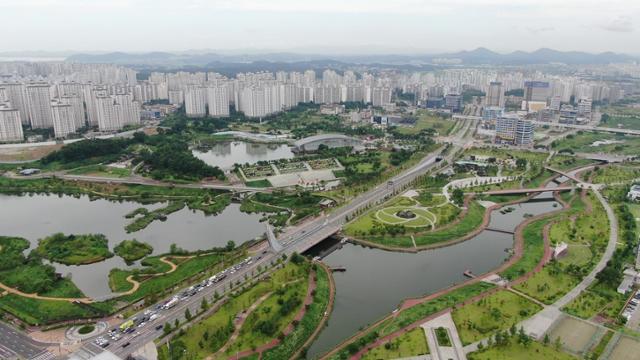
x,y
126,325
171,303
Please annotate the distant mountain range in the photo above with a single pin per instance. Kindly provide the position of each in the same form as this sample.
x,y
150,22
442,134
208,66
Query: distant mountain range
x,y
478,56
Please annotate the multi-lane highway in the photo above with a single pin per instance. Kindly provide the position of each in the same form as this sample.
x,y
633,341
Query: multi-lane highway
x,y
297,239
15,344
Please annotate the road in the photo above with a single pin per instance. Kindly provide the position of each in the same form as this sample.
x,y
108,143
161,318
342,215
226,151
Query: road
x,y
16,344
297,239
568,126
139,180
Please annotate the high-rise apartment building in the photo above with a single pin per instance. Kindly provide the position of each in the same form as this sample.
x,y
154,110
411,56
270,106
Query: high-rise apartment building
x,y
39,104
495,95
10,124
64,121
195,101
16,95
538,91
218,101
514,130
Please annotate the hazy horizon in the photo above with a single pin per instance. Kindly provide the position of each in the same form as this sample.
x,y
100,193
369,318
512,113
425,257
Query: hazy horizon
x,y
330,26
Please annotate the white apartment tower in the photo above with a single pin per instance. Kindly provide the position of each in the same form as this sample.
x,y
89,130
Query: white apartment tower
x,y
64,121
76,104
218,101
195,102
107,114
15,94
10,124
39,102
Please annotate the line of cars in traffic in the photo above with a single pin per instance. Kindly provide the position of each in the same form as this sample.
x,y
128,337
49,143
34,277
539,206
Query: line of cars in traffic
x,y
128,328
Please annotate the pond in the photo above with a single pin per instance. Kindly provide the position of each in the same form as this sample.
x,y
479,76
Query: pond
x,y
376,281
38,216
225,154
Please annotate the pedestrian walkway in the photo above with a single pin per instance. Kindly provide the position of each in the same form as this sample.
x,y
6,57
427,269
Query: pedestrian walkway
x,y
439,352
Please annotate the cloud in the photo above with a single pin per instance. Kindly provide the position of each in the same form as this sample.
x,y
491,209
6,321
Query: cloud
x,y
622,24
539,30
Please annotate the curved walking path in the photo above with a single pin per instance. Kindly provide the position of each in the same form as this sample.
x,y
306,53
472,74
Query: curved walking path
x,y
240,322
136,283
289,328
86,300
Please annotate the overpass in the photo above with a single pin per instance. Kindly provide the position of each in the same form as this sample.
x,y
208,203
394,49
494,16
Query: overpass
x,y
525,191
571,176
567,126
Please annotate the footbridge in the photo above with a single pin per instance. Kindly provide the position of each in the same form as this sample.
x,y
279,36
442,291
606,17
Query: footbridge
x,y
525,191
565,174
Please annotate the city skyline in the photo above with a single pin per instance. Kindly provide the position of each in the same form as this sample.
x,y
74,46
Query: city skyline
x,y
409,26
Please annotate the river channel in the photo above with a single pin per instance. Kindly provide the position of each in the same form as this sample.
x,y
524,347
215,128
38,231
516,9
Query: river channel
x,y
38,216
225,154
376,281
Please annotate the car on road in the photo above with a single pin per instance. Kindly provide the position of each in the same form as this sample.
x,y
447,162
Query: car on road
x,y
125,344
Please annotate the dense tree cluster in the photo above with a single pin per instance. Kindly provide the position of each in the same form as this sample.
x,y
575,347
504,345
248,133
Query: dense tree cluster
x,y
87,149
612,273
174,159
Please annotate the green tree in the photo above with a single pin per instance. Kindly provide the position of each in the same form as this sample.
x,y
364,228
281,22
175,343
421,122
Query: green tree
x,y
458,197
166,329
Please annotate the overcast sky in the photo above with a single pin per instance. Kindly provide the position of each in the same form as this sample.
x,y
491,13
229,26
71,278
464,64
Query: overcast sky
x,y
320,26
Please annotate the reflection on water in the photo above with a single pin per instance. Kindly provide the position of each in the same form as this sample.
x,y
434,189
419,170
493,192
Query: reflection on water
x,y
38,216
225,154
376,281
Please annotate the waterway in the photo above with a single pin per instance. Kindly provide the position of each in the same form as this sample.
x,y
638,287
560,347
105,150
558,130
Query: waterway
x,y
376,281
226,154
38,216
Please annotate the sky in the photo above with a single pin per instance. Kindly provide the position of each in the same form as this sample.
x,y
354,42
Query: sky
x,y
320,26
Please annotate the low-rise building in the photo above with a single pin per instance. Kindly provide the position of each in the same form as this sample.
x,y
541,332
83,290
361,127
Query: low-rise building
x,y
634,193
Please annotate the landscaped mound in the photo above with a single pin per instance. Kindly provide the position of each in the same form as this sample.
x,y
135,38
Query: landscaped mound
x,y
74,249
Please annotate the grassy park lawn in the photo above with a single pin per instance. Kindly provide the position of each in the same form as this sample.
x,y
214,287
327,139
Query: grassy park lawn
x,y
199,266
272,316
566,162
412,343
370,226
101,171
132,250
411,315
74,249
586,235
497,311
514,350
258,183
549,284
533,250
36,312
118,280
143,217
428,121
209,335
615,174
309,322
624,118
583,141
596,300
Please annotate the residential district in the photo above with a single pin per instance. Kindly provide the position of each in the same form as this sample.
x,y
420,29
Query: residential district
x,y
340,212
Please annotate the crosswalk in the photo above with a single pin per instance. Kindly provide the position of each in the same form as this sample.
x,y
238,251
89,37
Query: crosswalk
x,y
44,355
6,353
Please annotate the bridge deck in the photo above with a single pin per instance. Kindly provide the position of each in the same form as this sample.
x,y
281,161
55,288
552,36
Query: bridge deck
x,y
526,191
